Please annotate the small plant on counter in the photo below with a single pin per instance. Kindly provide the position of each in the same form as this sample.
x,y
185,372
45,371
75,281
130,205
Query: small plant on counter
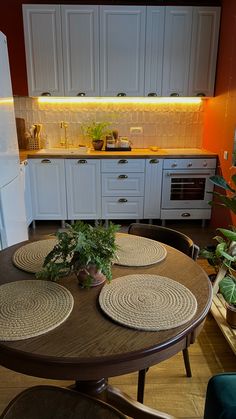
x,y
96,130
84,250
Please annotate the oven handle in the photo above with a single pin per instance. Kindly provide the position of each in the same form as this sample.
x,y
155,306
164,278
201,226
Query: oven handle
x,y
187,174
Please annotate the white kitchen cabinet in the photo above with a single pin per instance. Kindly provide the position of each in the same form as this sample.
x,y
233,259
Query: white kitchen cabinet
x,y
154,50
43,48
48,189
153,185
80,39
122,50
122,188
25,174
204,46
177,44
83,182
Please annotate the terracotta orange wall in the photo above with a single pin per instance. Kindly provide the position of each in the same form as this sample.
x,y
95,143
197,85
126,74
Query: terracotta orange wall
x,y
220,117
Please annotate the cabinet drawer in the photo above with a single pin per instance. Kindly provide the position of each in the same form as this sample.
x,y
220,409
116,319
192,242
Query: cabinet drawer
x,y
122,207
123,164
181,214
130,184
194,163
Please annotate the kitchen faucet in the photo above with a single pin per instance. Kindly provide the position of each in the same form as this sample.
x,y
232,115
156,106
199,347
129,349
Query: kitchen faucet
x,y
64,142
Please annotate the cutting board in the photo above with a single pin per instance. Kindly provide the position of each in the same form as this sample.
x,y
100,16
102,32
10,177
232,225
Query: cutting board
x,y
20,128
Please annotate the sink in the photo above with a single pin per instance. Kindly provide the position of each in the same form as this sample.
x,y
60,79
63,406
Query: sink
x,y
63,151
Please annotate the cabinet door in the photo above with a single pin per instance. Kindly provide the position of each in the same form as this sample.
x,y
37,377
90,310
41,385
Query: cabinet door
x,y
43,47
122,39
153,182
83,189
154,50
80,36
204,46
48,189
177,43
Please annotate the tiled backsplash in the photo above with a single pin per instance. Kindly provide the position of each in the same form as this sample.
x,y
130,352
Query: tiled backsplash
x,y
166,125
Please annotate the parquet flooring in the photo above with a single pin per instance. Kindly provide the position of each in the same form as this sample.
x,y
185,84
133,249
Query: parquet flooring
x,y
167,387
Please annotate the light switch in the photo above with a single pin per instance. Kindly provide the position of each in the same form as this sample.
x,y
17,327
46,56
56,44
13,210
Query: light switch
x,y
226,155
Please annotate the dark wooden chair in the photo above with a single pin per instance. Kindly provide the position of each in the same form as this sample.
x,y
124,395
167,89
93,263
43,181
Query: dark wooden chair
x,y
180,242
49,402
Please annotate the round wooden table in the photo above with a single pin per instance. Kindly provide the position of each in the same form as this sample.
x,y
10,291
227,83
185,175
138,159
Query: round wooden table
x,y
89,347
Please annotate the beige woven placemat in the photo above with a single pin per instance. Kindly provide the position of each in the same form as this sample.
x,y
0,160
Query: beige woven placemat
x,y
148,302
138,251
30,257
30,308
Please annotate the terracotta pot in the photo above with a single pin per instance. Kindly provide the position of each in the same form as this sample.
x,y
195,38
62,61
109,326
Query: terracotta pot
x,y
98,144
90,276
231,315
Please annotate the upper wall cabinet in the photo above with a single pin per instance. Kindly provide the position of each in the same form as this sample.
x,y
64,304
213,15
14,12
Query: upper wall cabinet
x,y
204,46
177,44
122,42
43,45
121,50
80,50
53,32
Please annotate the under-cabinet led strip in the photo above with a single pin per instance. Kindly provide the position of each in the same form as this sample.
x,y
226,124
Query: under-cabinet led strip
x,y
145,100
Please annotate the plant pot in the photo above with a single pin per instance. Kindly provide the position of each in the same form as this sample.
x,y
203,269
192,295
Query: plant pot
x,y
231,315
98,144
90,276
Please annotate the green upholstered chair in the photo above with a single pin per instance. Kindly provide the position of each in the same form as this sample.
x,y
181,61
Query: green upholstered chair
x,y
221,397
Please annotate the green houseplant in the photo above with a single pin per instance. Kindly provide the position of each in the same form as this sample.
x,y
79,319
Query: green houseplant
x,y
224,254
96,131
84,250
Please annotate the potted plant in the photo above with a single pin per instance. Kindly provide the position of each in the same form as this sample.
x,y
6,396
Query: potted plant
x,y
84,250
96,131
225,252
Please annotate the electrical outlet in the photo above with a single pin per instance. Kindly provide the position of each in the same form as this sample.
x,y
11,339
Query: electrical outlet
x,y
136,130
226,155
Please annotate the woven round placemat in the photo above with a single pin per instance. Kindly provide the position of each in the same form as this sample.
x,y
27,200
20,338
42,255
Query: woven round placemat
x,y
138,251
30,257
32,307
147,302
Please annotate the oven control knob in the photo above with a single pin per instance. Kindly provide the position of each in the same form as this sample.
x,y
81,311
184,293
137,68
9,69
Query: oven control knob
x,y
174,165
190,164
205,164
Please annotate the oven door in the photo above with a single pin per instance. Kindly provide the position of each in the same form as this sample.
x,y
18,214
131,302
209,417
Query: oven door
x,y
186,188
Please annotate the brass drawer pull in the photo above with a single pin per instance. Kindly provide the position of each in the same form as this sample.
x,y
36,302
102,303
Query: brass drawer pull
x,y
82,161
122,177
153,161
122,161
46,161
122,200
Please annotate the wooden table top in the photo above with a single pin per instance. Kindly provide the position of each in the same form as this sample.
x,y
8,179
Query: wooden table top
x,y
88,345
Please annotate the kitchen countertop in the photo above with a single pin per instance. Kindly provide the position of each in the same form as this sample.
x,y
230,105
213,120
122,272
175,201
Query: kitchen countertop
x,y
133,154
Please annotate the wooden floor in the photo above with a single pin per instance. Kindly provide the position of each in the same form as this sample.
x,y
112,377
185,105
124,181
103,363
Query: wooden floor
x,y
167,387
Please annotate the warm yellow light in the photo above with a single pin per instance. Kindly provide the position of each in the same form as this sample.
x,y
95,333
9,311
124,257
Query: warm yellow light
x,y
145,100
6,100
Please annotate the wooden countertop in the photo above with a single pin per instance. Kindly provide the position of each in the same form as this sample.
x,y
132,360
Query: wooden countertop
x,y
133,154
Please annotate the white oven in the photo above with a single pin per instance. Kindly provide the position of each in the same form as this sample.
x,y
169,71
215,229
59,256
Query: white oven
x,y
186,185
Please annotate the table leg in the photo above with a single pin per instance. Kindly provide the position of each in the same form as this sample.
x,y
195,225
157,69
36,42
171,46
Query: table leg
x,y
101,390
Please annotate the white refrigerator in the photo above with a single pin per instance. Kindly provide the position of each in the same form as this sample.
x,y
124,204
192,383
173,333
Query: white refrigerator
x,y
13,228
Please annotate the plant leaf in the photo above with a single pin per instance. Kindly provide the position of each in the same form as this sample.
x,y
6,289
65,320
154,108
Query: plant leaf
x,y
228,289
231,235
220,181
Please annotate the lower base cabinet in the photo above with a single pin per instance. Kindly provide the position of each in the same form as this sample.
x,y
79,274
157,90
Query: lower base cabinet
x,y
48,189
83,189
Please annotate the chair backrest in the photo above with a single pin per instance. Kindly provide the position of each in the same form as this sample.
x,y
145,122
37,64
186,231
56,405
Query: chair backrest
x,y
49,402
165,235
